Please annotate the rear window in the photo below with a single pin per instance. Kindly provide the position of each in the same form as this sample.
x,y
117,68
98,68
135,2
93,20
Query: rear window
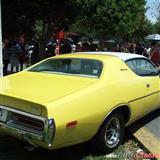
x,y
70,66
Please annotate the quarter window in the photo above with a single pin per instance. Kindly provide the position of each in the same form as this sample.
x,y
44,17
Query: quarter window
x,y
142,67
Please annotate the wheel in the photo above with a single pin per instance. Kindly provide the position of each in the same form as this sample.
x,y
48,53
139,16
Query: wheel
x,y
110,134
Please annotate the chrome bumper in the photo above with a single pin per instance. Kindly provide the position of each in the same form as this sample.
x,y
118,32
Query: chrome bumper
x,y
46,135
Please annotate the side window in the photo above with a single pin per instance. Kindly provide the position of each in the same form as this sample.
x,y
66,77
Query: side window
x,y
142,67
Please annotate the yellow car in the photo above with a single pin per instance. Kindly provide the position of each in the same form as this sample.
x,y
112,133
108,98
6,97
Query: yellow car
x,y
74,98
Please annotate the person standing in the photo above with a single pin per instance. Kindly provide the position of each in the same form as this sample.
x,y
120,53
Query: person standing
x,y
5,57
139,49
22,56
155,55
14,52
65,47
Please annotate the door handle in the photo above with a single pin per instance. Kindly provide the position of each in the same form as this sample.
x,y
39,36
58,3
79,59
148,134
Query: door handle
x,y
148,85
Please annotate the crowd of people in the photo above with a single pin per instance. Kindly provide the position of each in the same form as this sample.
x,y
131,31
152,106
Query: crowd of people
x,y
17,53
20,52
151,50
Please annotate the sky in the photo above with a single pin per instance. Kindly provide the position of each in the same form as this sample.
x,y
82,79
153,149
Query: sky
x,y
152,10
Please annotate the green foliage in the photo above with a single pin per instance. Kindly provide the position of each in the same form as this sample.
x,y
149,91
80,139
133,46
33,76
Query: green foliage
x,y
105,19
157,26
113,18
23,16
38,27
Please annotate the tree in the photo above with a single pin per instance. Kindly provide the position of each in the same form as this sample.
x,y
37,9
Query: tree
x,y
96,18
112,18
16,18
157,26
21,16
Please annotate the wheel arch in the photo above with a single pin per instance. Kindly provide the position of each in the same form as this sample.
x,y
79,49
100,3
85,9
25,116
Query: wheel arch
x,y
123,108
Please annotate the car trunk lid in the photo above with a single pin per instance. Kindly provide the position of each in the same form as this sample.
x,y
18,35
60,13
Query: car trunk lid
x,y
30,91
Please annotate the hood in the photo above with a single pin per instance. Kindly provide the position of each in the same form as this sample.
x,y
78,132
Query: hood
x,y
42,88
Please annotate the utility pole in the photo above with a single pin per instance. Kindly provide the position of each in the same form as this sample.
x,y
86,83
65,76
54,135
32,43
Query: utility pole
x,y
1,58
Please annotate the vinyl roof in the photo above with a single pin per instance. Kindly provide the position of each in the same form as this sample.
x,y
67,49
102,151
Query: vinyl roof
x,y
121,55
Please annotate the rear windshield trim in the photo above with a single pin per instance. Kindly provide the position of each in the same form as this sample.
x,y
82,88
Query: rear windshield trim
x,y
69,74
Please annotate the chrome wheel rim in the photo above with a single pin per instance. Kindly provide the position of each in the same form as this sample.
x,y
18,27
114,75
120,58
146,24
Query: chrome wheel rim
x,y
112,132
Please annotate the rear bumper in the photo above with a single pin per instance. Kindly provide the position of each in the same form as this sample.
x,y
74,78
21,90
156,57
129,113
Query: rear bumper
x,y
29,134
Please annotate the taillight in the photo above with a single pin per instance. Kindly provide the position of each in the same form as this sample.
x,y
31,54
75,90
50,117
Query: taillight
x,y
28,122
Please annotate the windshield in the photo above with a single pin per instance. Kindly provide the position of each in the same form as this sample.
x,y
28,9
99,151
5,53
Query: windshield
x,y
70,66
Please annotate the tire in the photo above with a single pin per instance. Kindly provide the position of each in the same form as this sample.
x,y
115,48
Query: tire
x,y
110,134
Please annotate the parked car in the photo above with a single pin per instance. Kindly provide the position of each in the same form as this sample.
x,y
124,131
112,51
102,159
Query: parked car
x,y
80,97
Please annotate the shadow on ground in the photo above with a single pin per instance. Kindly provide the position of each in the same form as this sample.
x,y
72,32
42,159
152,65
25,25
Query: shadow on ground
x,y
12,149
143,121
